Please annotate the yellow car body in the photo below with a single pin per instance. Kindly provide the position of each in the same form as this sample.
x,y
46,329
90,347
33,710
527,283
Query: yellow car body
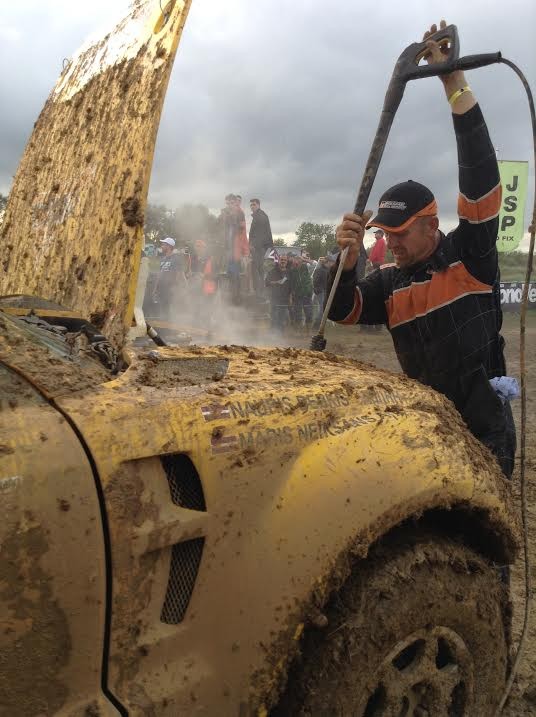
x,y
171,532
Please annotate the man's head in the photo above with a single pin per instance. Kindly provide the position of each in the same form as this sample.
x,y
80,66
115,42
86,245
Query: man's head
x,y
378,234
408,215
238,200
283,261
305,255
416,243
230,200
167,245
254,205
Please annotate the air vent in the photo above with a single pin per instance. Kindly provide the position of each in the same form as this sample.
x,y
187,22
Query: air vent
x,y
185,560
184,483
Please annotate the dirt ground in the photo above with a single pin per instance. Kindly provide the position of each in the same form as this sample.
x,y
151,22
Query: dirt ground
x,y
377,349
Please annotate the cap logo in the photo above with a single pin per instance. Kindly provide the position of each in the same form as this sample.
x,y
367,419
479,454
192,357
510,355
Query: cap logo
x,y
393,205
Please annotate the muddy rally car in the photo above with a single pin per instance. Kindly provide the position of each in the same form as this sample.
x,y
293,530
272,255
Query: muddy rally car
x,y
214,531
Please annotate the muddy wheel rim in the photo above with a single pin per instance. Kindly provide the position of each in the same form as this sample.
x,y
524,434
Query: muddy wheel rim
x,y
427,674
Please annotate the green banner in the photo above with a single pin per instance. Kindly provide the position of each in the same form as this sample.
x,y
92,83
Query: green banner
x,y
514,177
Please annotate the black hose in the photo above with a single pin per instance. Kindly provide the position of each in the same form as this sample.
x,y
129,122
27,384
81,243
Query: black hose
x,y
522,370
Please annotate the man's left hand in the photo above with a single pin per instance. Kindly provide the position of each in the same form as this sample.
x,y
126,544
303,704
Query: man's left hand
x,y
453,81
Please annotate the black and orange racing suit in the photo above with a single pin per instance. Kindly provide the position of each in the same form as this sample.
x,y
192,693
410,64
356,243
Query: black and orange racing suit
x,y
444,314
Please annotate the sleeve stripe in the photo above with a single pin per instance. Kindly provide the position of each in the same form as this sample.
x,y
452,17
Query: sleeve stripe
x,y
355,313
479,221
480,210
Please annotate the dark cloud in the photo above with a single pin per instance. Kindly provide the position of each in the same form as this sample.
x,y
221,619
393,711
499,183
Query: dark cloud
x,y
282,101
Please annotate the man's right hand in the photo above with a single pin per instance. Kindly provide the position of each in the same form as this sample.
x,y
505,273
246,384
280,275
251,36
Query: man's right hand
x,y
350,233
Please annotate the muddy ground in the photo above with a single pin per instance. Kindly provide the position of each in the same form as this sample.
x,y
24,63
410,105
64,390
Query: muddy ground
x,y
377,348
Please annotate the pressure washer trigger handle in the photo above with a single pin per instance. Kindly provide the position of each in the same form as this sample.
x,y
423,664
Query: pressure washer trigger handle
x,y
408,67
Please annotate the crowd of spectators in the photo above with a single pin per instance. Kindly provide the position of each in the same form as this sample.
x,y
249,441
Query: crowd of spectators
x,y
284,281
290,288
297,284
203,269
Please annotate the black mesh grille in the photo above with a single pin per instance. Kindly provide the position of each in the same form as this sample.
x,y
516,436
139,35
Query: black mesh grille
x,y
185,559
184,483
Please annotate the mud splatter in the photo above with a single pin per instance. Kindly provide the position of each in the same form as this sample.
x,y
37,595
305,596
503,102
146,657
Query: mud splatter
x,y
40,644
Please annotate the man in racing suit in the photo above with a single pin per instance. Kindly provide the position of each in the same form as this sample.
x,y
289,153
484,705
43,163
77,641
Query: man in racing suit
x,y
441,300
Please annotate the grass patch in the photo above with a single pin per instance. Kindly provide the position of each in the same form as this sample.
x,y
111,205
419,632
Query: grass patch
x,y
513,266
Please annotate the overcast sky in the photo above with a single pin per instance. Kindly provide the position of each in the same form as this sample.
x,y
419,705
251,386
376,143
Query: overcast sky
x,y
281,100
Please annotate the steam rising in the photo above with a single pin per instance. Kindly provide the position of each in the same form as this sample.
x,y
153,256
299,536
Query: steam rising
x,y
220,322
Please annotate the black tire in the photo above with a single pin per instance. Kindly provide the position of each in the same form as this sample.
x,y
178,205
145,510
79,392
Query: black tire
x,y
422,630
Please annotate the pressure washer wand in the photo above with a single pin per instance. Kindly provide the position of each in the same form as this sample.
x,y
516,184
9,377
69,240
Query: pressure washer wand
x,y
393,98
407,68
159,341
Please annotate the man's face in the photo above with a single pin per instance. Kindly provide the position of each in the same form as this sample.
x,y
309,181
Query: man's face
x,y
378,235
253,206
283,262
415,244
166,249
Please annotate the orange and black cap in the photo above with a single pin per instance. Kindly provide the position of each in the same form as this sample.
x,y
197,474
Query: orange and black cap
x,y
402,204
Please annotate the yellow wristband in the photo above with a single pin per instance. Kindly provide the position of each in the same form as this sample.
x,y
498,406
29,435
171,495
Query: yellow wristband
x,y
456,95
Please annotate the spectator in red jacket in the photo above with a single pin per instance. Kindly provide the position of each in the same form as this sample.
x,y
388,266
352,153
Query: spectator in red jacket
x,y
209,284
377,252
233,224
